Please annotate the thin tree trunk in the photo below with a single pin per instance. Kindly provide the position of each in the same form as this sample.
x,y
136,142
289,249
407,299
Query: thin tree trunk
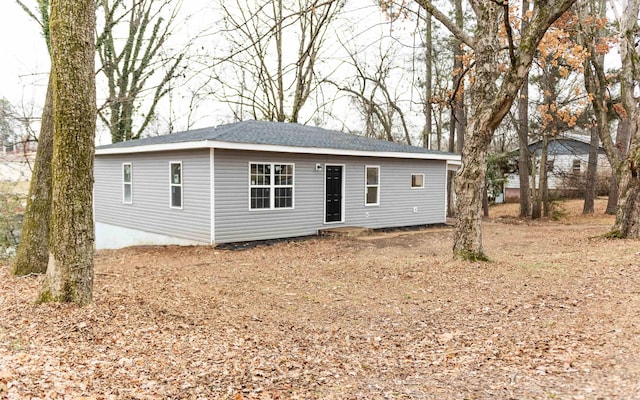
x,y
485,200
33,250
544,175
428,108
524,168
70,271
592,171
536,207
457,123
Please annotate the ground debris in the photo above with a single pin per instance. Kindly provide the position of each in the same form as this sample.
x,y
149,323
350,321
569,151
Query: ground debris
x,y
553,316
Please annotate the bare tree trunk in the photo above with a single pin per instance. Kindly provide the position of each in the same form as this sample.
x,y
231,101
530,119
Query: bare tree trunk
x,y
485,200
627,222
33,251
544,174
592,171
428,108
490,102
457,123
622,147
524,168
70,271
524,156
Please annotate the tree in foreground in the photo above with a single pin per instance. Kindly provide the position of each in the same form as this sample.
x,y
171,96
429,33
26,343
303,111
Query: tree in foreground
x,y
627,223
33,250
494,88
70,271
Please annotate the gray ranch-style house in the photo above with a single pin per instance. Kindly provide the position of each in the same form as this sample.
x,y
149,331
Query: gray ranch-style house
x,y
258,180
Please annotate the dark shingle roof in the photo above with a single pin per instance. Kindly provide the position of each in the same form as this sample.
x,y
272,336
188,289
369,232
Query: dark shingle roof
x,y
277,134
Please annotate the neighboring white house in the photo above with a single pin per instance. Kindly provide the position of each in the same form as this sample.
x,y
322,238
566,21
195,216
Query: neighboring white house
x,y
568,159
262,180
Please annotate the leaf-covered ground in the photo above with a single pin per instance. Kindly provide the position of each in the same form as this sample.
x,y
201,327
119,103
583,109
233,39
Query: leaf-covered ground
x,y
555,315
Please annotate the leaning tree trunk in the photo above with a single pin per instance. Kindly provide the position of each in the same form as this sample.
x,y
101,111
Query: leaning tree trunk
x,y
33,251
70,271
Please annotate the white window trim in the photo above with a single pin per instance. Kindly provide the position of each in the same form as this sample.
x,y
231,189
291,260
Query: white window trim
x,y
573,166
324,193
416,187
171,184
127,183
366,185
272,186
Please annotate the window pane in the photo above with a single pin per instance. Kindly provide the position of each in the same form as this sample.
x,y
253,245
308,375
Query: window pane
x,y
417,180
283,174
176,196
176,174
372,175
260,197
126,169
260,174
372,195
283,198
127,193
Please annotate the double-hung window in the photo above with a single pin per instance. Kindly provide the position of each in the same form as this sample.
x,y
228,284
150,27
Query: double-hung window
x,y
372,185
175,184
127,183
271,185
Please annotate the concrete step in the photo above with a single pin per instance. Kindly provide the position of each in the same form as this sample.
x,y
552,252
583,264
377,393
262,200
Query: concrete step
x,y
345,231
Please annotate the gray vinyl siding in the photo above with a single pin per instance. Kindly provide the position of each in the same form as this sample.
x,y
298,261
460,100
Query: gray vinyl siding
x,y
234,221
150,210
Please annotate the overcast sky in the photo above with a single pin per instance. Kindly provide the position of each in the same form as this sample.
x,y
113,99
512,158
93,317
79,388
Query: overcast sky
x,y
25,62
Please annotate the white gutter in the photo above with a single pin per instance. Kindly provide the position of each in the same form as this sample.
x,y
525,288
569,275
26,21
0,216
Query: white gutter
x,y
208,144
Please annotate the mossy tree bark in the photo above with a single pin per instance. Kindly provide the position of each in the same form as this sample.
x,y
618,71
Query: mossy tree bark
x,y
490,102
627,222
33,250
70,270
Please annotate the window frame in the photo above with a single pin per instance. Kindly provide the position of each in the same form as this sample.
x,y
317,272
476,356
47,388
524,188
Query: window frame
x,y
272,186
417,187
172,185
367,186
576,169
125,183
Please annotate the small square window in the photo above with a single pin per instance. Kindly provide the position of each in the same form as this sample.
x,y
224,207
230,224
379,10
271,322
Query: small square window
x,y
417,181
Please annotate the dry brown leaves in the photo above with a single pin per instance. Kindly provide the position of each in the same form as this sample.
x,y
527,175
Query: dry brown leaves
x,y
554,316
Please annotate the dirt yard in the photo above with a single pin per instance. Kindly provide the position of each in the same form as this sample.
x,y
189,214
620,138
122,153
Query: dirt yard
x,y
555,315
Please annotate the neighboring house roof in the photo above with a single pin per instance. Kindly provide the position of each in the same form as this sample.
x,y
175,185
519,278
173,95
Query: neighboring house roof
x,y
567,143
276,136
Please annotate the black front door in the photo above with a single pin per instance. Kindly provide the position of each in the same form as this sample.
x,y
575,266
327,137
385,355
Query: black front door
x,y
333,188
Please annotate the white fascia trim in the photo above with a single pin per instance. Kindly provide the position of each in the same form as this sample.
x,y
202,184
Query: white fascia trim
x,y
208,144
